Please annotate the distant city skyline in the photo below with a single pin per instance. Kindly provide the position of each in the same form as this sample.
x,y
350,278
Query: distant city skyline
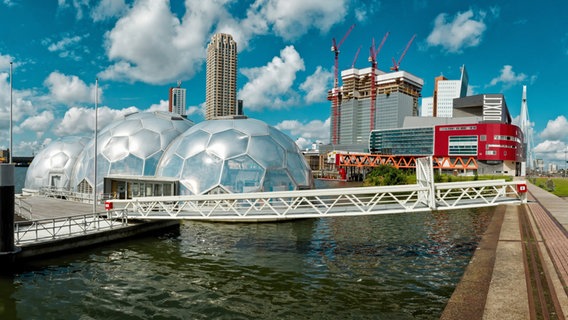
x,y
139,49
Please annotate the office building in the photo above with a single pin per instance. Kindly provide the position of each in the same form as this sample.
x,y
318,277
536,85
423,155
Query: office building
x,y
221,77
177,100
480,131
397,96
445,91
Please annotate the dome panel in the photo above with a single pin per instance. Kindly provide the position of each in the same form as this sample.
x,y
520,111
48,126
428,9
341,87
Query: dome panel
x,y
116,149
126,127
283,140
277,180
219,145
267,152
242,174
144,143
201,172
295,163
170,166
192,143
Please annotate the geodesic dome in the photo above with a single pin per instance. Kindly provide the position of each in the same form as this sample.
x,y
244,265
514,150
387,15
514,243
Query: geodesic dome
x,y
129,146
53,166
235,155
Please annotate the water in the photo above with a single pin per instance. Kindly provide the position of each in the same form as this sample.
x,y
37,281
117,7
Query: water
x,y
378,267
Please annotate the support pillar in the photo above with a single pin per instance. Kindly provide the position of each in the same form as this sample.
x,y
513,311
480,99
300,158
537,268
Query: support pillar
x,y
7,248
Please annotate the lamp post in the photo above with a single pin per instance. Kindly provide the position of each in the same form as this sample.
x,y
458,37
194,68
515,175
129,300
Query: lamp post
x,y
11,136
95,145
565,162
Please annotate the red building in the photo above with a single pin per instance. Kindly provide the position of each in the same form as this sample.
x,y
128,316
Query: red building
x,y
497,147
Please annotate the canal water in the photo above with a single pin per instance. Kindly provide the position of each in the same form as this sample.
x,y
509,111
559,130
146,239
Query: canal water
x,y
380,267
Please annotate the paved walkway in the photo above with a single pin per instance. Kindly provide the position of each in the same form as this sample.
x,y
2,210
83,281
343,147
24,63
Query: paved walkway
x,y
520,270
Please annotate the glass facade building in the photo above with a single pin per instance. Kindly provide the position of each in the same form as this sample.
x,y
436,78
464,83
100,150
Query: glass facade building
x,y
407,141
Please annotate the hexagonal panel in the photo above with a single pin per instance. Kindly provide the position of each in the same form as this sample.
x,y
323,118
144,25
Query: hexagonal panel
x,y
229,143
277,180
295,165
144,143
242,174
201,172
192,142
267,152
116,149
58,160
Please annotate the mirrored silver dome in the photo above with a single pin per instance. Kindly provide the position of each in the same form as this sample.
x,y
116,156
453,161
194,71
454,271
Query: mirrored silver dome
x,y
130,146
235,155
53,166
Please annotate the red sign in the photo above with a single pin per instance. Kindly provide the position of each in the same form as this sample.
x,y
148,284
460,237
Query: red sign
x,y
522,188
108,205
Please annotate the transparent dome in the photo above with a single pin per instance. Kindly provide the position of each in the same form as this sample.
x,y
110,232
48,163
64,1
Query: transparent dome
x,y
129,146
235,155
53,166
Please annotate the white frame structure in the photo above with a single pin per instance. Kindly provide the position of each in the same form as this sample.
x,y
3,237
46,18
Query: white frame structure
x,y
425,195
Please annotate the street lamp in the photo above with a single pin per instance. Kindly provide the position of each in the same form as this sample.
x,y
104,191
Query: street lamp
x,y
565,162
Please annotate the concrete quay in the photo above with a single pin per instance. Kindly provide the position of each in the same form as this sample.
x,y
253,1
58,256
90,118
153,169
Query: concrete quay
x,y
520,268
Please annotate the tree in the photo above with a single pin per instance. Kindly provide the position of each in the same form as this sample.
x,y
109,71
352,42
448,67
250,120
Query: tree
x,y
385,175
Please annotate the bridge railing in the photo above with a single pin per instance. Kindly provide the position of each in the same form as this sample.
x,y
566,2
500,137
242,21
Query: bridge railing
x,y
425,195
276,205
64,227
484,193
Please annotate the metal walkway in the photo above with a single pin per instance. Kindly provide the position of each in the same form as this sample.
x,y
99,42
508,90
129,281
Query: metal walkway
x,y
425,195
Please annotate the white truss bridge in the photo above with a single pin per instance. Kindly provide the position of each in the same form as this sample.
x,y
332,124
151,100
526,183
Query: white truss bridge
x,y
425,195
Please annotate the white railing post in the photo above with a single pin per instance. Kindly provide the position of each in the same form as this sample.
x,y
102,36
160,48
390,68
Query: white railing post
x,y
425,178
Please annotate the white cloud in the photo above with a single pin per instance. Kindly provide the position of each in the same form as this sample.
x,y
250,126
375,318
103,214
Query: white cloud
x,y
306,133
463,31
69,89
270,86
67,47
509,78
151,45
293,18
107,9
317,85
556,129
79,120
39,123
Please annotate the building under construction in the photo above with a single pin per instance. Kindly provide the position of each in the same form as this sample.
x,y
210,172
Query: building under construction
x,y
396,96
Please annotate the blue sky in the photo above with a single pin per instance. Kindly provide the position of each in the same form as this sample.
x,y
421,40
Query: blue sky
x,y
138,49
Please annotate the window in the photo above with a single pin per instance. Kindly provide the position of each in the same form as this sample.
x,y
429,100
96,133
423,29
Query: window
x,y
462,145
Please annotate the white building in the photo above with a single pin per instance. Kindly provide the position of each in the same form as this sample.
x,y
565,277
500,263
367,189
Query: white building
x,y
445,91
177,101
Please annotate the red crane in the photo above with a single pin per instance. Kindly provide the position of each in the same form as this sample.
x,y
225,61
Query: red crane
x,y
356,56
395,64
373,59
335,93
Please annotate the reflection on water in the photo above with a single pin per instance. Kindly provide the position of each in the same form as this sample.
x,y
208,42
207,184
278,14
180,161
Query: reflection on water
x,y
383,267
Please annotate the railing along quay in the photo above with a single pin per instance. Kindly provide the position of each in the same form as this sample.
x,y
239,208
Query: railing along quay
x,y
64,227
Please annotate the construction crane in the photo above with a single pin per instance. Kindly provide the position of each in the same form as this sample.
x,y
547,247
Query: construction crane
x,y
395,64
373,53
335,93
356,56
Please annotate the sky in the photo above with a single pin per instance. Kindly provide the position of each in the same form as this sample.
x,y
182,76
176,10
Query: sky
x,y
139,49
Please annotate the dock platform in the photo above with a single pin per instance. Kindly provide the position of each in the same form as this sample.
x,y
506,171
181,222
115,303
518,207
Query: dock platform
x,y
520,268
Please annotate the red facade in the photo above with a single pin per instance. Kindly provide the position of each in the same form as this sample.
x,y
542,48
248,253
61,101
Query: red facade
x,y
486,141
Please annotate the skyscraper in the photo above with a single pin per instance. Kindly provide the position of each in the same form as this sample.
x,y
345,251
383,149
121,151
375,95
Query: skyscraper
x,y
445,91
221,82
177,100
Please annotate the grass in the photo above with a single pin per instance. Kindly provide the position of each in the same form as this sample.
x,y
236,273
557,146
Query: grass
x,y
558,186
